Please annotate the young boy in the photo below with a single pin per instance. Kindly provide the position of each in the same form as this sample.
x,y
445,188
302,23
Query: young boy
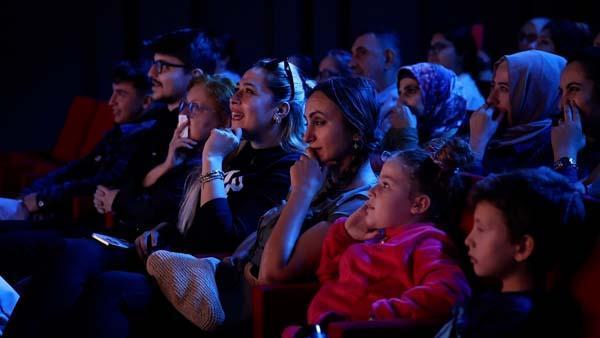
x,y
521,225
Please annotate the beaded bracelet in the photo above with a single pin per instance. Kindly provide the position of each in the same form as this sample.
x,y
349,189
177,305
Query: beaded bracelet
x,y
212,175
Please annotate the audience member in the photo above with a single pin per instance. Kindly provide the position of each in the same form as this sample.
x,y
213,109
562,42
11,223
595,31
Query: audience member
x,y
517,238
575,139
335,63
50,197
376,56
457,51
513,129
529,32
564,37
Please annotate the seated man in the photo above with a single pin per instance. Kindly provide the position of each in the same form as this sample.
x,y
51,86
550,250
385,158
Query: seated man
x,y
51,195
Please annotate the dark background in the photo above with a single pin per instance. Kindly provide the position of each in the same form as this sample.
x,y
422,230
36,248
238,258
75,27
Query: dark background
x,y
55,50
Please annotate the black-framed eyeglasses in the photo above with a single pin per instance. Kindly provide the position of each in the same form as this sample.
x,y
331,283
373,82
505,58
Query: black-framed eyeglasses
x,y
192,109
160,65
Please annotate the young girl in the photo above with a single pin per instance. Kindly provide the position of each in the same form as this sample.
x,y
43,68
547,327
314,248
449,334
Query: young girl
x,y
522,224
389,259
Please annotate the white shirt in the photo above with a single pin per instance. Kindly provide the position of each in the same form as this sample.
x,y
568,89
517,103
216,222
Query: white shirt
x,y
470,91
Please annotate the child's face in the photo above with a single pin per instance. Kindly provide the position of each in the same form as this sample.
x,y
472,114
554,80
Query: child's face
x,y
389,202
490,248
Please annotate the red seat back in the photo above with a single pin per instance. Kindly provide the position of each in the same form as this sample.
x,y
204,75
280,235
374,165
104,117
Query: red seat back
x,y
102,122
72,136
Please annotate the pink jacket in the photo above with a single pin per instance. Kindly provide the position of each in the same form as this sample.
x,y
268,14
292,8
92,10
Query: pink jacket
x,y
411,274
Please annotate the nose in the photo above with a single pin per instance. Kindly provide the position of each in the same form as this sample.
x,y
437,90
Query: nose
x,y
308,136
235,99
152,72
113,100
372,192
469,241
492,99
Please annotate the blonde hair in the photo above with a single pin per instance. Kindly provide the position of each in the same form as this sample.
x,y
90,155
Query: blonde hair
x,y
221,90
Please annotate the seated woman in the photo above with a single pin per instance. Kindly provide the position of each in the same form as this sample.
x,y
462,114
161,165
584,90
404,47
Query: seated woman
x,y
137,208
329,183
513,129
575,142
457,51
431,106
390,259
219,209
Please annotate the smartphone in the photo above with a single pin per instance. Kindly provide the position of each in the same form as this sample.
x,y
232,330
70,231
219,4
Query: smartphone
x,y
186,132
111,241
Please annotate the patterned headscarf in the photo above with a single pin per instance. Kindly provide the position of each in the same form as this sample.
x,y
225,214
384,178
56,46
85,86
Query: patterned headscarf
x,y
444,106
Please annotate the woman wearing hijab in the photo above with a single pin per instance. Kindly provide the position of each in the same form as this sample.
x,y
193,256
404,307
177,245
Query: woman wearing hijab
x,y
513,129
429,106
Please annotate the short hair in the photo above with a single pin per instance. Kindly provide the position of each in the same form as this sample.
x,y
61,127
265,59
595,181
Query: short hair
x,y
134,73
389,40
536,202
195,49
589,58
569,37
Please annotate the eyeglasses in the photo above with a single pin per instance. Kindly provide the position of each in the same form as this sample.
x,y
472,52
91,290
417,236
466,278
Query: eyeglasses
x,y
160,65
192,109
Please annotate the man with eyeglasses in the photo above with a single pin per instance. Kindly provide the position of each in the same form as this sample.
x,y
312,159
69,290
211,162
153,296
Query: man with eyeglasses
x,y
176,56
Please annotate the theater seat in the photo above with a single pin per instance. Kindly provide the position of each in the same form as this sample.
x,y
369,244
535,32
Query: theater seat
x,y
86,122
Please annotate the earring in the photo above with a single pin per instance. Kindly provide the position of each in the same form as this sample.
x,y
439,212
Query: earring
x,y
277,118
356,145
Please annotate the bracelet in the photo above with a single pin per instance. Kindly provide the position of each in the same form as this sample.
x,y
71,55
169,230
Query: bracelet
x,y
212,175
565,162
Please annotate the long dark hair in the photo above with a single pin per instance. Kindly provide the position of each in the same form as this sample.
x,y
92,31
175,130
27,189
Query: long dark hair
x,y
356,98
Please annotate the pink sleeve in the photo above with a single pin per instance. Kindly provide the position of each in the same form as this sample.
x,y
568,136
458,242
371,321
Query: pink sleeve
x,y
439,284
334,245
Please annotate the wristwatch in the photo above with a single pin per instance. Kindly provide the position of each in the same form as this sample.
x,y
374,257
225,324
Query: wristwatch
x,y
565,162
